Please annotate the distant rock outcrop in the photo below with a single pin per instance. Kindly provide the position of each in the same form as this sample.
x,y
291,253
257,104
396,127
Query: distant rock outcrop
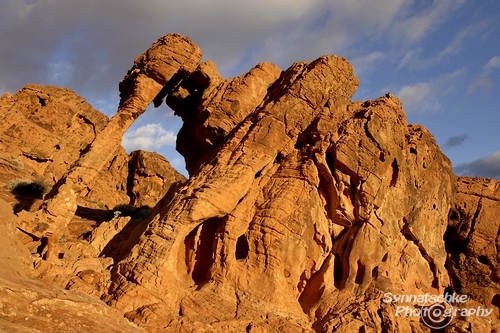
x,y
48,128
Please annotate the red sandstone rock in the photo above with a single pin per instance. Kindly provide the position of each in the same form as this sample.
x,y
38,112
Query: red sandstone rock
x,y
302,210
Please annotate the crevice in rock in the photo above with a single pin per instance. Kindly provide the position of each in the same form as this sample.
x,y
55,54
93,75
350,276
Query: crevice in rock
x,y
340,272
395,173
360,273
330,162
299,145
353,187
314,288
279,158
495,301
37,159
408,234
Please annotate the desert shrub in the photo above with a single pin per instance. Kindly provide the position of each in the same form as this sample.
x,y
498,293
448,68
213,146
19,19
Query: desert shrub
x,y
17,163
36,187
136,213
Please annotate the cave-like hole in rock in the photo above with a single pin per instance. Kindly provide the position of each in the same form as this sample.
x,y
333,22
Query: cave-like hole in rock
x,y
199,245
375,272
242,248
483,260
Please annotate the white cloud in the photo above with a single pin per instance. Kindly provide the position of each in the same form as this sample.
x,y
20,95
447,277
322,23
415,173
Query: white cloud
x,y
420,24
488,166
148,137
482,84
415,96
367,62
492,64
425,96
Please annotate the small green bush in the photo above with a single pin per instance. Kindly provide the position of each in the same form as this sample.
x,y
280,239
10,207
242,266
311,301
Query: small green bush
x,y
33,187
136,213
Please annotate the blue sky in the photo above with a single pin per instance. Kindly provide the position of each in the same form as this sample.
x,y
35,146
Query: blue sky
x,y
441,58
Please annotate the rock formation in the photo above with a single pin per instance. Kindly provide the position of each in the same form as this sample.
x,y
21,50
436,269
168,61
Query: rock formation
x,y
301,204
304,210
150,177
47,128
473,243
155,72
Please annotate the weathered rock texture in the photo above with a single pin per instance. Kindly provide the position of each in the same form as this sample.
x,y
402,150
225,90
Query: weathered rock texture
x,y
28,305
473,241
154,73
150,177
48,128
303,208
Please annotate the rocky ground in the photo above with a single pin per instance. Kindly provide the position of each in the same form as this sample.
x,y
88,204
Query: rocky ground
x,y
304,210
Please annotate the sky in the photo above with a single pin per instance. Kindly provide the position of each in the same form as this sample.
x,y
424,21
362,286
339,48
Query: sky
x,y
441,58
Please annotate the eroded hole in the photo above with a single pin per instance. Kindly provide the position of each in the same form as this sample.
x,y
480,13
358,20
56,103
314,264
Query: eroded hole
x,y
242,248
199,249
483,260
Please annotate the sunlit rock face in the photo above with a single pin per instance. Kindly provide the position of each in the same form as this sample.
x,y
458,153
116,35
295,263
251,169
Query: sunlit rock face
x,y
303,209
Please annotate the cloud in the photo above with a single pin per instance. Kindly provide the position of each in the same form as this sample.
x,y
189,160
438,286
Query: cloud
x,y
89,45
484,167
455,141
367,62
419,24
425,96
492,64
148,137
481,84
